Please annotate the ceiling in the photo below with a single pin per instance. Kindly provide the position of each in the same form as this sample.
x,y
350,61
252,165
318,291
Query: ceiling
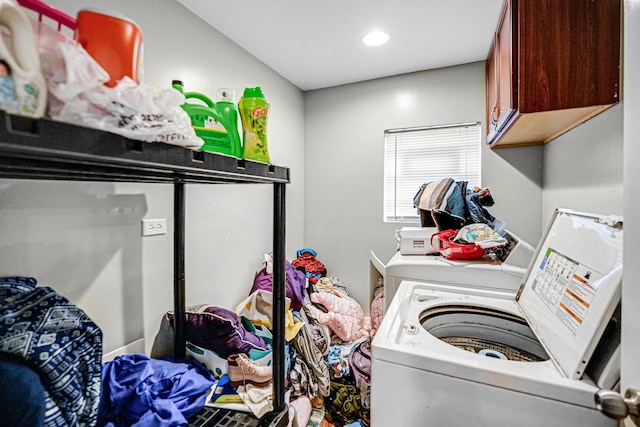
x,y
318,44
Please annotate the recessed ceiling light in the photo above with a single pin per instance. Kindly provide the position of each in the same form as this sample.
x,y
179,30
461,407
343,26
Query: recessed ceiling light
x,y
375,38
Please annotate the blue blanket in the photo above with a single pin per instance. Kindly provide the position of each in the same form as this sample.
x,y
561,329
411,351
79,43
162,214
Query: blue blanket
x,y
60,342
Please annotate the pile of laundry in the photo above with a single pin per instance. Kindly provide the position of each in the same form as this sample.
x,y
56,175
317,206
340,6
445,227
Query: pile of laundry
x,y
466,229
448,204
229,356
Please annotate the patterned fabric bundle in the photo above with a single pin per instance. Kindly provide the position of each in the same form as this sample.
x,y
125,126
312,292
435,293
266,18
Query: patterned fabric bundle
x,y
60,341
344,405
301,381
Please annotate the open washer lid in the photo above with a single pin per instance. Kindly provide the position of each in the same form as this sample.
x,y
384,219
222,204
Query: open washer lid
x,y
573,285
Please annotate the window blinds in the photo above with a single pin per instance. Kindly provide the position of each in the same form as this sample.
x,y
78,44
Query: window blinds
x,y
415,156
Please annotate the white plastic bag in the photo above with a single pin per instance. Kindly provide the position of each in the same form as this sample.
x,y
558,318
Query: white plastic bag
x,y
77,94
140,111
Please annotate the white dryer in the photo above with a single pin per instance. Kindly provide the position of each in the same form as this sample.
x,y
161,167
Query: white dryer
x,y
458,356
503,273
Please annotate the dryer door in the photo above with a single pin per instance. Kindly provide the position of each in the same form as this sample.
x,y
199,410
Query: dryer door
x,y
573,286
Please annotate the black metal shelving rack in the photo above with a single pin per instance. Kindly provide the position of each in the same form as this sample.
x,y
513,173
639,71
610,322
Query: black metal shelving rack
x,y
45,149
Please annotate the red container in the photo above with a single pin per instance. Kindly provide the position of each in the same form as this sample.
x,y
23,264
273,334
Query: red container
x,y
114,41
452,250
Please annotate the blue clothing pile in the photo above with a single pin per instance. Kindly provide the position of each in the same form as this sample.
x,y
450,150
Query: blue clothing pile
x,y
140,391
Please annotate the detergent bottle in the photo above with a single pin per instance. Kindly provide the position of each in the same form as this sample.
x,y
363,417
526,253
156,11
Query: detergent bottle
x,y
23,90
254,111
208,123
226,107
114,41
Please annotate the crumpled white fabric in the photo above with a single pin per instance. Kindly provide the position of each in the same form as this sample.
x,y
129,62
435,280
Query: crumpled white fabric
x,y
258,399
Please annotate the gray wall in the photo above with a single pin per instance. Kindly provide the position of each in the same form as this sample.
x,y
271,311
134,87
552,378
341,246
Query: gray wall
x,y
631,130
83,239
583,167
344,154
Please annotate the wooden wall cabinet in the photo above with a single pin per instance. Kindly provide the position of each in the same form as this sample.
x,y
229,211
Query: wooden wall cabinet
x,y
552,66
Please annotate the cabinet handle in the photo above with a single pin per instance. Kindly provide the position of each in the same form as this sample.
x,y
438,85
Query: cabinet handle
x,y
494,118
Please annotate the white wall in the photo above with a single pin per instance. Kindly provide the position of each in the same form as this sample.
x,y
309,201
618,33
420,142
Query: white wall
x,y
583,167
83,239
344,152
630,289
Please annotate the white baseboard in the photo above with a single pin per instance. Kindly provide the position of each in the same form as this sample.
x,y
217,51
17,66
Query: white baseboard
x,y
131,348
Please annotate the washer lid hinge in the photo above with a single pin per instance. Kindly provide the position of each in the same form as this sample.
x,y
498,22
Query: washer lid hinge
x,y
611,221
520,291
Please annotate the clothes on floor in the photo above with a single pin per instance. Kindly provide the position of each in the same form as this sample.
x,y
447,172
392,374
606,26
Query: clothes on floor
x,y
307,263
332,285
324,329
311,344
59,341
316,417
377,310
301,409
344,316
338,358
344,404
258,399
140,391
258,308
301,381
295,286
360,362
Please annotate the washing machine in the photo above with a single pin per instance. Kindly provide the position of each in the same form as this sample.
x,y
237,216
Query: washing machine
x,y
448,355
503,270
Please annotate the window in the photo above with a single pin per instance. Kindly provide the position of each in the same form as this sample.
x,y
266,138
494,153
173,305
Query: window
x,y
415,156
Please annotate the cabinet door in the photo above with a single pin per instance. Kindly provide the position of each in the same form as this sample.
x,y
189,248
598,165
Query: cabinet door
x,y
500,69
573,62
507,90
492,84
